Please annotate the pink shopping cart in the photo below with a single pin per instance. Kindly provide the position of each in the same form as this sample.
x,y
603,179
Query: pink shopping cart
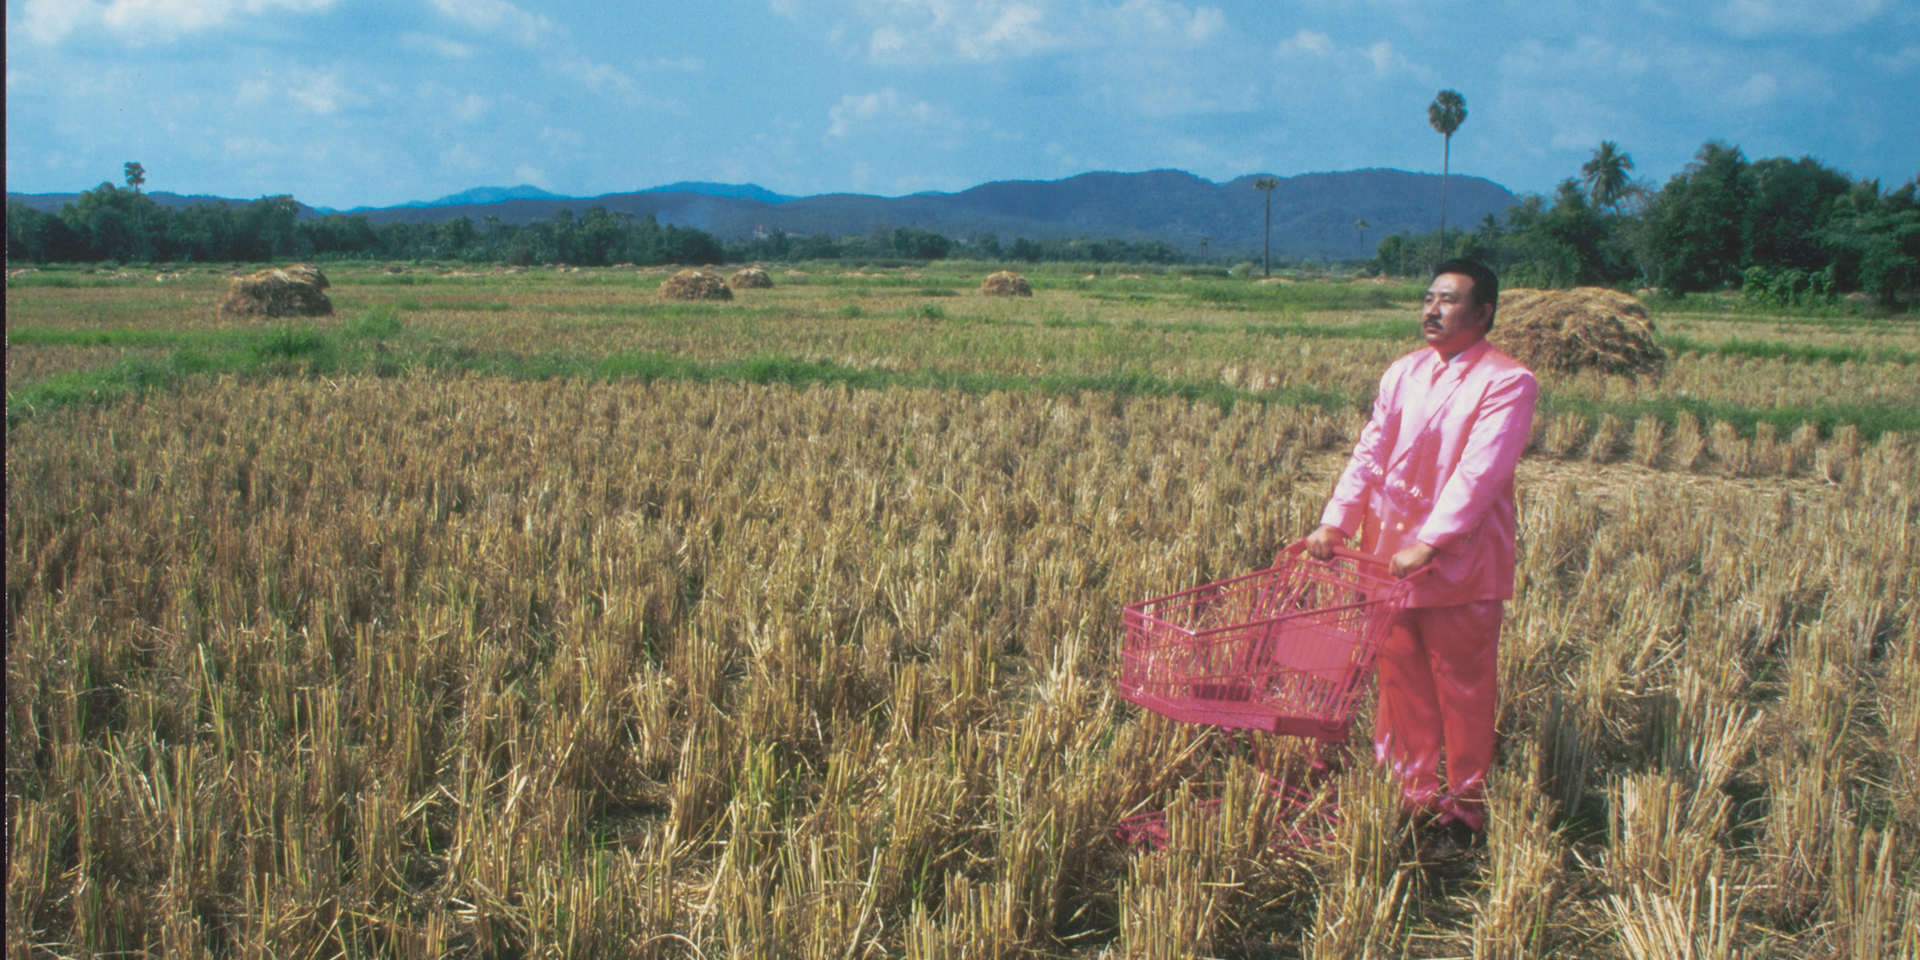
x,y
1285,650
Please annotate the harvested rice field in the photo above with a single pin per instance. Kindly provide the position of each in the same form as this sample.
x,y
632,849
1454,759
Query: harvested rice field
x,y
532,614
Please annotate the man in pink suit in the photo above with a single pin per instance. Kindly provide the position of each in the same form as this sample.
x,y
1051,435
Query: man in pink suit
x,y
1431,481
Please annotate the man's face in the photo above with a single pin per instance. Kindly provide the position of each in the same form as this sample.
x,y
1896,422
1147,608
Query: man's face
x,y
1449,319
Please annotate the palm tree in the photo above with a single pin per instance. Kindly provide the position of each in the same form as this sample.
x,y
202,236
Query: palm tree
x,y
137,175
1606,175
1265,185
1447,112
1204,240
1360,227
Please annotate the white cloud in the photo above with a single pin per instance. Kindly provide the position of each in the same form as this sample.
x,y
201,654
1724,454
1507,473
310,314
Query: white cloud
x,y
886,110
436,45
1015,29
982,30
252,148
1318,52
1161,23
148,21
461,159
1759,90
563,136
1305,43
530,174
886,40
1389,62
470,108
858,110
678,64
49,21
320,92
910,32
609,81
1757,18
1907,59
498,17
1586,56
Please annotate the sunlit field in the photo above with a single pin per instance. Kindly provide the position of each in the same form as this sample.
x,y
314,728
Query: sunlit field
x,y
524,614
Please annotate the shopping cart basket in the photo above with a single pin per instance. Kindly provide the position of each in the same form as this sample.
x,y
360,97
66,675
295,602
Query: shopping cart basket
x,y
1286,650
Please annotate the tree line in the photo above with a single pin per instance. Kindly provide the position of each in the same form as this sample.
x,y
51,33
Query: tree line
x,y
912,243
125,225
1784,231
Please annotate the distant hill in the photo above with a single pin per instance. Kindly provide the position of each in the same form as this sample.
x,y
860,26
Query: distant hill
x,y
485,195
743,191
1313,214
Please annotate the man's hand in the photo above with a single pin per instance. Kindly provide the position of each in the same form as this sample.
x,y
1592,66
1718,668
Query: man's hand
x,y
1411,559
1321,542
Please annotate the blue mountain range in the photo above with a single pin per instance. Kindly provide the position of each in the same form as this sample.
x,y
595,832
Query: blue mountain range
x,y
1339,214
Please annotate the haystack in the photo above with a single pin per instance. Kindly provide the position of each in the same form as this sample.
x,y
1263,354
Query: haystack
x,y
1005,283
1587,328
750,278
693,284
292,291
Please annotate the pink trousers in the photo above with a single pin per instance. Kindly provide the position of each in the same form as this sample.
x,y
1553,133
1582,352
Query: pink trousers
x,y
1439,673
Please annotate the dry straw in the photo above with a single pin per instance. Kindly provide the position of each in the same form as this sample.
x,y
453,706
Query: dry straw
x,y
1567,331
692,284
750,278
293,291
573,668
1005,283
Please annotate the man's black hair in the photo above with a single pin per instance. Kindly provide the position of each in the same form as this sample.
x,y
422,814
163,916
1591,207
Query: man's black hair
x,y
1486,286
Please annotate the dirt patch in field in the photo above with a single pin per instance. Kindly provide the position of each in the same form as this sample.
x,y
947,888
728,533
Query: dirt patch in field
x,y
1587,328
1006,283
695,285
293,291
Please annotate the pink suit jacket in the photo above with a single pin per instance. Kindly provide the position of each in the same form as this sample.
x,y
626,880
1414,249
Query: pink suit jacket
x,y
1435,465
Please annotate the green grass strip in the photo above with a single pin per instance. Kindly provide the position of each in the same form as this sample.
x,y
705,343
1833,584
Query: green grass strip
x,y
125,337
1793,352
305,351
1383,330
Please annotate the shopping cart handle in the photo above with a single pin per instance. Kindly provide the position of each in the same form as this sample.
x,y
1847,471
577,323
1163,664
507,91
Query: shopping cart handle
x,y
1348,553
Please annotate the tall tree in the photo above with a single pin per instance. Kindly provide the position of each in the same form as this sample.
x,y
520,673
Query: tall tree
x,y
1447,112
1265,185
1693,233
143,246
1791,205
1876,240
1360,227
1605,175
1489,229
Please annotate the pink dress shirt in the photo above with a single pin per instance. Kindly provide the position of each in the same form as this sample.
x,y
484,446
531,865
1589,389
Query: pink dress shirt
x,y
1435,465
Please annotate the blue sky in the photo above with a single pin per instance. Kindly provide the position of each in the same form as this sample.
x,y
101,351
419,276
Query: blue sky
x,y
351,102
